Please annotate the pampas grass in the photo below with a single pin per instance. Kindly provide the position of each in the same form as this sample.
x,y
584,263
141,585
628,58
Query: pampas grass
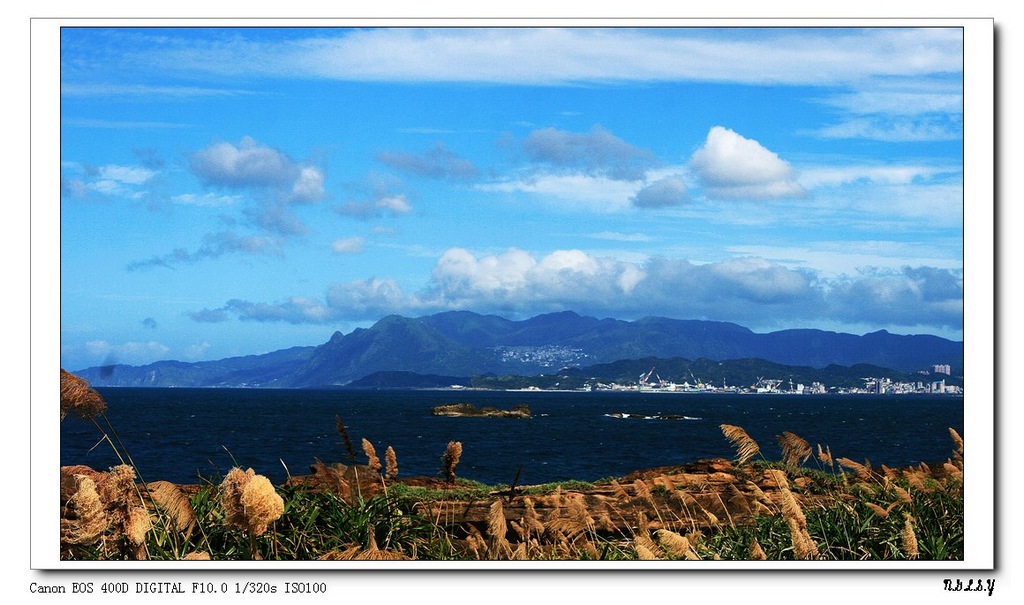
x,y
79,399
795,450
391,464
249,501
84,518
450,460
371,456
908,539
345,439
746,448
169,498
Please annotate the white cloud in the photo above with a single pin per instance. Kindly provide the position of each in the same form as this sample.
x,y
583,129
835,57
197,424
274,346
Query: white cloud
x,y
350,245
893,174
751,291
251,165
438,162
394,204
668,191
622,237
596,193
131,175
548,55
595,153
895,130
206,200
732,166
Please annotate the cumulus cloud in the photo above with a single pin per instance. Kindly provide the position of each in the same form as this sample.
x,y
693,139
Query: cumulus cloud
x,y
516,280
251,165
438,162
370,299
911,296
750,291
669,191
595,153
731,166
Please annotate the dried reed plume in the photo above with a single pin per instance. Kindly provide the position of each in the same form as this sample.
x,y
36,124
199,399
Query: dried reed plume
x,y
646,549
249,501
643,491
371,455
169,498
915,480
756,552
231,496
620,492
958,454
137,525
958,440
196,556
450,459
908,539
531,520
863,471
83,519
882,512
902,494
644,553
262,504
795,450
825,456
391,464
498,545
676,545
340,426
803,545
79,399
746,448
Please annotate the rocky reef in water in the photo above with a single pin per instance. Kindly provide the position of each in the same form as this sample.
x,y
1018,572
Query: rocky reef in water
x,y
469,410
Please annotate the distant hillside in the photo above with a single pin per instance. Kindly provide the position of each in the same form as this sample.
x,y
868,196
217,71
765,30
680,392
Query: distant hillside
x,y
269,370
463,343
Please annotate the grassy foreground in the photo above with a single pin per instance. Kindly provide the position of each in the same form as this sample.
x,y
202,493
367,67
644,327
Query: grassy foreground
x,y
804,505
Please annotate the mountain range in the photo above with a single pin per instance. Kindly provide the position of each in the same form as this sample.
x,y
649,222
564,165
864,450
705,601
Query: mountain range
x,y
463,344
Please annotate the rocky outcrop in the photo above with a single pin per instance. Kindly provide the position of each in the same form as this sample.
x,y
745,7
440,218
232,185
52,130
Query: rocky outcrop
x,y
468,410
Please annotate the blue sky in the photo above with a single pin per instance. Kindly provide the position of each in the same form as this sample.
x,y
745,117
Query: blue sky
x,y
230,191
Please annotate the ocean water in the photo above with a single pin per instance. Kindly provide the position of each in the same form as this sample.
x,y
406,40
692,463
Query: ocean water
x,y
188,435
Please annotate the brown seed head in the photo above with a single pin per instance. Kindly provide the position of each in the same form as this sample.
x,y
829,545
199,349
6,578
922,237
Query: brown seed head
x,y
79,399
450,459
746,448
261,503
391,463
371,455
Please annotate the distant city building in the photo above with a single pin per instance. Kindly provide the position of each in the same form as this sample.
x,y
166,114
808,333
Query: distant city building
x,y
941,369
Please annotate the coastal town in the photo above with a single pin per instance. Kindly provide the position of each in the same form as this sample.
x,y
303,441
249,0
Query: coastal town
x,y
649,382
933,382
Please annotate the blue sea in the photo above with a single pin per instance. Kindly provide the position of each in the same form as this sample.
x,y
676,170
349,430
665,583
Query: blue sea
x,y
191,435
